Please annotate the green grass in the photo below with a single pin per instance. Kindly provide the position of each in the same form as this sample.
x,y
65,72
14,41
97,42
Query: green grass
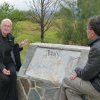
x,y
28,30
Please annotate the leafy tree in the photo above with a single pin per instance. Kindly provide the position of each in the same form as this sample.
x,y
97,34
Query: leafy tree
x,y
5,11
8,11
74,20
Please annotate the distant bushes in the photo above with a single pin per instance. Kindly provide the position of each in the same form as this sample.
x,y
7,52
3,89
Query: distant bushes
x,y
73,20
8,11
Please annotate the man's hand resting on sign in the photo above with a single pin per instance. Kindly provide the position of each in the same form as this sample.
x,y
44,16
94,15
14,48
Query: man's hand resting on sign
x,y
73,76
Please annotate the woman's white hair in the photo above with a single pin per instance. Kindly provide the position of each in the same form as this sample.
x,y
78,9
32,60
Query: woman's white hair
x,y
8,20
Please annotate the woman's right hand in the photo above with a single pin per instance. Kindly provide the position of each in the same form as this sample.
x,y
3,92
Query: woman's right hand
x,y
6,72
23,43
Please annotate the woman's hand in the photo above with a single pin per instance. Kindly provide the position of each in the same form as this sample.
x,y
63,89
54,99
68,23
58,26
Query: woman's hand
x,y
6,72
23,43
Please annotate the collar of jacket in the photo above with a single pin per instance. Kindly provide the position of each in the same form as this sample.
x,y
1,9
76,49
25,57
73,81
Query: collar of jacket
x,y
93,41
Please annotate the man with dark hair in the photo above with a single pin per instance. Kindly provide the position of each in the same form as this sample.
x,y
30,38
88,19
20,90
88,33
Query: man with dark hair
x,y
86,81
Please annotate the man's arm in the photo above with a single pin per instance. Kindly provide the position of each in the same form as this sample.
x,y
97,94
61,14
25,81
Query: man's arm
x,y
92,67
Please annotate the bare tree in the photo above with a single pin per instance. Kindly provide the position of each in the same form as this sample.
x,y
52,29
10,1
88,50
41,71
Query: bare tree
x,y
42,12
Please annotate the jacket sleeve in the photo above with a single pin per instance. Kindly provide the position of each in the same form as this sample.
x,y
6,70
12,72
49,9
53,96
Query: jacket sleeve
x,y
92,67
16,51
12,43
16,46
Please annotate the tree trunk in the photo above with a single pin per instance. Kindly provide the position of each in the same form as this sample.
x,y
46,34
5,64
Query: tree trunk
x,y
42,33
42,21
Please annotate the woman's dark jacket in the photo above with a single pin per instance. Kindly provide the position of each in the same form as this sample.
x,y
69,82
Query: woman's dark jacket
x,y
9,52
91,71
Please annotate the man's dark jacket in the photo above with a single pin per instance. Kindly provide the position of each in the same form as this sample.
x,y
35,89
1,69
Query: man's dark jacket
x,y
91,72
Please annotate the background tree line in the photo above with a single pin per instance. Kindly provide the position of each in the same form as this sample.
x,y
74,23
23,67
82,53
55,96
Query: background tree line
x,y
69,18
74,16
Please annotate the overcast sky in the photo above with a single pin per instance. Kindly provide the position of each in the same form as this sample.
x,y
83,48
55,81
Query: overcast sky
x,y
20,4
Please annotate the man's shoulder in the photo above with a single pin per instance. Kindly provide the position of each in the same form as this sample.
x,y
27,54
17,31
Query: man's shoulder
x,y
97,45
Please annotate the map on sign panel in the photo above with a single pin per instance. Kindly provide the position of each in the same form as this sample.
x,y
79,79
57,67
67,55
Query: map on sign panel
x,y
52,64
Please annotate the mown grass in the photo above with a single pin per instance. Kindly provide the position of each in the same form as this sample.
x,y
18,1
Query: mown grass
x,y
28,30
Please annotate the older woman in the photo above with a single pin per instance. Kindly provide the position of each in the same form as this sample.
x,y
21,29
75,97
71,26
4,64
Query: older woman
x,y
9,59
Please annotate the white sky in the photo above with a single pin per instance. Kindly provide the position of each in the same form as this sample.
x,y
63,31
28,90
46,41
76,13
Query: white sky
x,y
20,4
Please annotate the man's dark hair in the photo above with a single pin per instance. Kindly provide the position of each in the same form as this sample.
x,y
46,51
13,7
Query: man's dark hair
x,y
94,24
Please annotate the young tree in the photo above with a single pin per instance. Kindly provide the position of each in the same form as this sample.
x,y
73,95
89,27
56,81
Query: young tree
x,y
42,12
8,11
5,10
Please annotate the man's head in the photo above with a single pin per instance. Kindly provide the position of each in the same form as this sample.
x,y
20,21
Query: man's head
x,y
6,26
93,28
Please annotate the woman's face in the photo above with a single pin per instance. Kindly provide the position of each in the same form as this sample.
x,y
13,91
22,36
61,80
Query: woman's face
x,y
6,28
